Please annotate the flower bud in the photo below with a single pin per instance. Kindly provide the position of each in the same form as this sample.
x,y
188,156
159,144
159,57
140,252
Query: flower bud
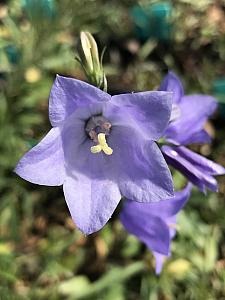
x,y
93,65
86,46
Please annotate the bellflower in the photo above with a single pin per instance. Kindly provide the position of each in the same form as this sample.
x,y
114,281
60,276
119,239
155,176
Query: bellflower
x,y
198,169
155,223
100,148
189,114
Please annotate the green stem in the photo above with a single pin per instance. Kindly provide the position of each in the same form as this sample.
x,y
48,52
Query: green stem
x,y
114,276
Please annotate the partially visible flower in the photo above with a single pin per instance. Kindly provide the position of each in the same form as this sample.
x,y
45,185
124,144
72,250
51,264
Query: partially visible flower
x,y
155,223
189,114
101,148
198,169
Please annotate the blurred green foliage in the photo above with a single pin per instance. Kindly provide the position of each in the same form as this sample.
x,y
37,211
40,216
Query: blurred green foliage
x,y
42,255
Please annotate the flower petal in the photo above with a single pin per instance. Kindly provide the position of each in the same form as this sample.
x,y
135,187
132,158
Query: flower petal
x,y
203,164
159,262
198,137
91,189
148,111
44,164
191,171
143,174
148,228
91,201
67,94
171,83
172,206
194,112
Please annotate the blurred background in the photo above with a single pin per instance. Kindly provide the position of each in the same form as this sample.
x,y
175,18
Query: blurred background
x,y
42,255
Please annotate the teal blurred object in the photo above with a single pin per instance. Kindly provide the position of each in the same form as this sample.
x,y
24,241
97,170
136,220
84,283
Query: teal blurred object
x,y
31,143
12,54
36,9
153,21
219,92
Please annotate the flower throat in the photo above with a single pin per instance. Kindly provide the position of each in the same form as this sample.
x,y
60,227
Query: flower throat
x,y
97,128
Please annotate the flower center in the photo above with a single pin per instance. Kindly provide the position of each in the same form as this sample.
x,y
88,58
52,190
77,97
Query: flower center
x,y
97,128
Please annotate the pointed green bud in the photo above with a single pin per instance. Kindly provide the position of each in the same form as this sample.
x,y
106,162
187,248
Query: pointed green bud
x,y
86,46
94,51
92,65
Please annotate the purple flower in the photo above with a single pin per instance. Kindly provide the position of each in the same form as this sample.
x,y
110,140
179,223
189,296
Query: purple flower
x,y
189,114
101,148
198,169
154,223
